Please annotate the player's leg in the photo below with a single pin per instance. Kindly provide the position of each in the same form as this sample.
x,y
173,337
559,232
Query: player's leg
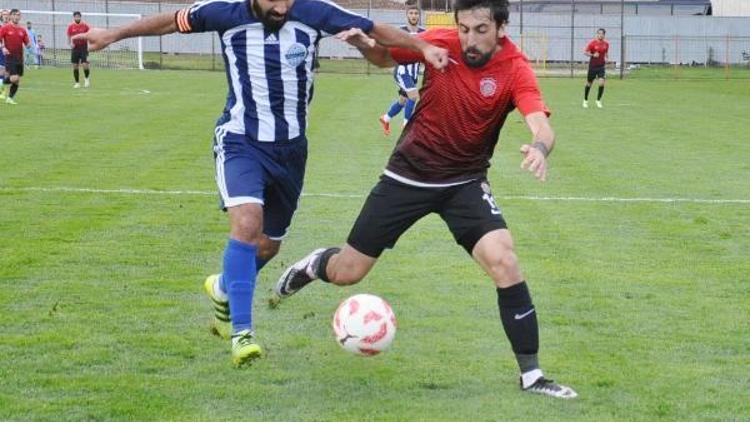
x,y
390,209
4,82
76,60
241,181
86,68
15,72
590,76
396,107
602,80
477,224
411,102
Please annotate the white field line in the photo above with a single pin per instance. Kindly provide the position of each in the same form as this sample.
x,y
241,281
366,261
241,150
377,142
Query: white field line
x,y
605,199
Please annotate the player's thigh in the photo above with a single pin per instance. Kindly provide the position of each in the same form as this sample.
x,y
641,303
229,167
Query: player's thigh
x,y
15,69
471,212
240,176
413,94
590,76
390,209
284,187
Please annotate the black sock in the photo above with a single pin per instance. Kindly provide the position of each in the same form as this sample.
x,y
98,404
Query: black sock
x,y
601,92
75,75
86,73
586,92
13,89
518,316
320,268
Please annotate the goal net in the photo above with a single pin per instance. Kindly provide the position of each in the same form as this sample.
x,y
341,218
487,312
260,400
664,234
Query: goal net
x,y
54,49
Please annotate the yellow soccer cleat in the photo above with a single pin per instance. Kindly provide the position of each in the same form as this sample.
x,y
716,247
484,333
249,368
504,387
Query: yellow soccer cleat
x,y
221,324
244,349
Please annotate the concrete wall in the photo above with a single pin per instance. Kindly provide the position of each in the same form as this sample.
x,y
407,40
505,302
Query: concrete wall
x,y
730,7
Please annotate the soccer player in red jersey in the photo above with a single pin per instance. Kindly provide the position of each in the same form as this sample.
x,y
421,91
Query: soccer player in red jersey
x,y
13,38
440,166
79,53
597,50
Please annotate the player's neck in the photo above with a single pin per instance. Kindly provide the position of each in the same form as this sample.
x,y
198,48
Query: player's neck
x,y
412,28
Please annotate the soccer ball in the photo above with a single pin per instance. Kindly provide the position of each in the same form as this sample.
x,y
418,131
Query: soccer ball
x,y
364,324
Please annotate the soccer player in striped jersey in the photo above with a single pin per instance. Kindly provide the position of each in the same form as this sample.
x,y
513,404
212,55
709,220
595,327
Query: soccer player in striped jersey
x,y
259,141
406,77
440,166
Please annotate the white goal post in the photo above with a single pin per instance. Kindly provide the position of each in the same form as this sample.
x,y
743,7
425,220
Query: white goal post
x,y
53,26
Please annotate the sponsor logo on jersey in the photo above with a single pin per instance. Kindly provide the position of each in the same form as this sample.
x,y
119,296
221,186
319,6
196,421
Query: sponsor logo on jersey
x,y
295,55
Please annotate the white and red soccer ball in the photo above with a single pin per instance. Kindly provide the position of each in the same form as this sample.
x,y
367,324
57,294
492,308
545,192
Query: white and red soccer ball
x,y
364,324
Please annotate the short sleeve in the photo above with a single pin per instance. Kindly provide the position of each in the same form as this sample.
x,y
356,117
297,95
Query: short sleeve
x,y
526,95
589,46
204,16
328,17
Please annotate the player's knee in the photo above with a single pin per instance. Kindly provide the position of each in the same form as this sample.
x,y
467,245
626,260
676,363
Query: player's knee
x,y
402,100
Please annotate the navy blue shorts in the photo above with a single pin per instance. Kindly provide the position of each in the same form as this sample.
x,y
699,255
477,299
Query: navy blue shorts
x,y
266,173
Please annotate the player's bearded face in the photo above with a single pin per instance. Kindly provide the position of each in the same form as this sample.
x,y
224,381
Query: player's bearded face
x,y
77,19
272,13
478,34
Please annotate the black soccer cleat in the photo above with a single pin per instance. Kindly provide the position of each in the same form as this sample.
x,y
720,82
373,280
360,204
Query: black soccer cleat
x,y
300,274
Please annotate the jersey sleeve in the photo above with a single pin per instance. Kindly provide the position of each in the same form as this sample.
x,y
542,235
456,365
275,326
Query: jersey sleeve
x,y
203,16
590,47
406,56
328,17
526,94
70,28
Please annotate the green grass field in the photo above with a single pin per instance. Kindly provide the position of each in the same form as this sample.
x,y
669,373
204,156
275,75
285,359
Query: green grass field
x,y
636,251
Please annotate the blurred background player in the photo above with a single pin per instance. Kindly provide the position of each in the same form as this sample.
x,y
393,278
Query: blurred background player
x,y
13,38
32,53
4,18
40,49
79,54
597,50
406,77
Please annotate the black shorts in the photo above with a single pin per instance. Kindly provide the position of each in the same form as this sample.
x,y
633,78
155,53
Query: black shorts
x,y
14,66
595,72
392,207
79,55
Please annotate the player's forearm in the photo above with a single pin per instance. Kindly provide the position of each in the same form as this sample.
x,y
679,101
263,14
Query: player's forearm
x,y
543,137
377,55
160,24
389,36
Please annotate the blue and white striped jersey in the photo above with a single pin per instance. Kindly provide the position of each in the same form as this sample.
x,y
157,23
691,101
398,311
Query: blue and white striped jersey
x,y
270,74
411,69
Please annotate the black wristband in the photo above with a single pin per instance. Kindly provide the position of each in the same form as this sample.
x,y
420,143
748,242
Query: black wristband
x,y
541,147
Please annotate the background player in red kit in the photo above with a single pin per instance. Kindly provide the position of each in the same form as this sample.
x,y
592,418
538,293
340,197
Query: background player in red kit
x,y
13,39
79,53
440,166
597,50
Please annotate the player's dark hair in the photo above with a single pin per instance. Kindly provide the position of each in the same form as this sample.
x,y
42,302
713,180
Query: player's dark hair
x,y
76,13
498,8
14,11
604,31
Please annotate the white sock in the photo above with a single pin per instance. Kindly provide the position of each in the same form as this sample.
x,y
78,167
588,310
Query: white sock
x,y
386,118
529,378
220,294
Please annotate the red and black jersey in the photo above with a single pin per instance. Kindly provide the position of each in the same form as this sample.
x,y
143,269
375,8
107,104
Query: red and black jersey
x,y
75,29
601,47
14,37
456,125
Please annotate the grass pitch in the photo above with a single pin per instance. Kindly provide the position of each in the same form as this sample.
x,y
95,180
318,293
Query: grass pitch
x,y
635,250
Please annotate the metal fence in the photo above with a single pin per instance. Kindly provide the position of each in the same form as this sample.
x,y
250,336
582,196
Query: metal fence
x,y
648,39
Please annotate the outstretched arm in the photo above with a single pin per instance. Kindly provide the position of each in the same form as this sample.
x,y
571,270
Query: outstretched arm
x,y
390,36
160,24
542,142
371,50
